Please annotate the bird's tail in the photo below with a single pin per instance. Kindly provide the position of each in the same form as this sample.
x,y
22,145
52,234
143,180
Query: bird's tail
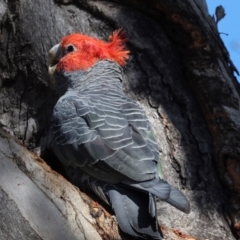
x,y
165,192
130,206
132,213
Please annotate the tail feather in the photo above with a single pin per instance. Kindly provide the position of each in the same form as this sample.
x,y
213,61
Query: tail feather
x,y
152,208
165,192
130,203
130,206
132,214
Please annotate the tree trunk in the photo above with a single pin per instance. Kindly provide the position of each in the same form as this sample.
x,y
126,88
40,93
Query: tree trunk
x,y
181,74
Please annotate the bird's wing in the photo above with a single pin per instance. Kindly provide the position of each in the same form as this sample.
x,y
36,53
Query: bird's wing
x,y
111,141
108,136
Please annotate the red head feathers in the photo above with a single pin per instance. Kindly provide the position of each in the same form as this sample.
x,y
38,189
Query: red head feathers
x,y
80,52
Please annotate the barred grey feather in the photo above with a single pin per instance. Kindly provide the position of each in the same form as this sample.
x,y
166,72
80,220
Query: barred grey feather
x,y
97,128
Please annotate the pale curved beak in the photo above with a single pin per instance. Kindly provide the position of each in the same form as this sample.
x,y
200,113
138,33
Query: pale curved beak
x,y
54,55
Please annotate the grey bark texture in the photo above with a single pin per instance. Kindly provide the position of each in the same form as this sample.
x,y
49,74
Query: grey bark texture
x,y
179,71
37,203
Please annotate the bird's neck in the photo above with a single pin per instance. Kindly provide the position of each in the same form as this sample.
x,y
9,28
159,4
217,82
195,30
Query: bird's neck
x,y
104,76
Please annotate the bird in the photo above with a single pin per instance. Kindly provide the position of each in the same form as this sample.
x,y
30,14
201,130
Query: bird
x,y
102,137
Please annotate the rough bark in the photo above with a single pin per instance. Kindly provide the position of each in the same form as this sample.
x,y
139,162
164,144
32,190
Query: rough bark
x,y
179,71
36,202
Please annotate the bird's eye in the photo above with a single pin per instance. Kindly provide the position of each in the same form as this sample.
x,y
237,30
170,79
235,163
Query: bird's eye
x,y
70,48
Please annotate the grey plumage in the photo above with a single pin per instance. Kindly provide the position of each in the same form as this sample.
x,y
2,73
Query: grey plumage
x,y
107,138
